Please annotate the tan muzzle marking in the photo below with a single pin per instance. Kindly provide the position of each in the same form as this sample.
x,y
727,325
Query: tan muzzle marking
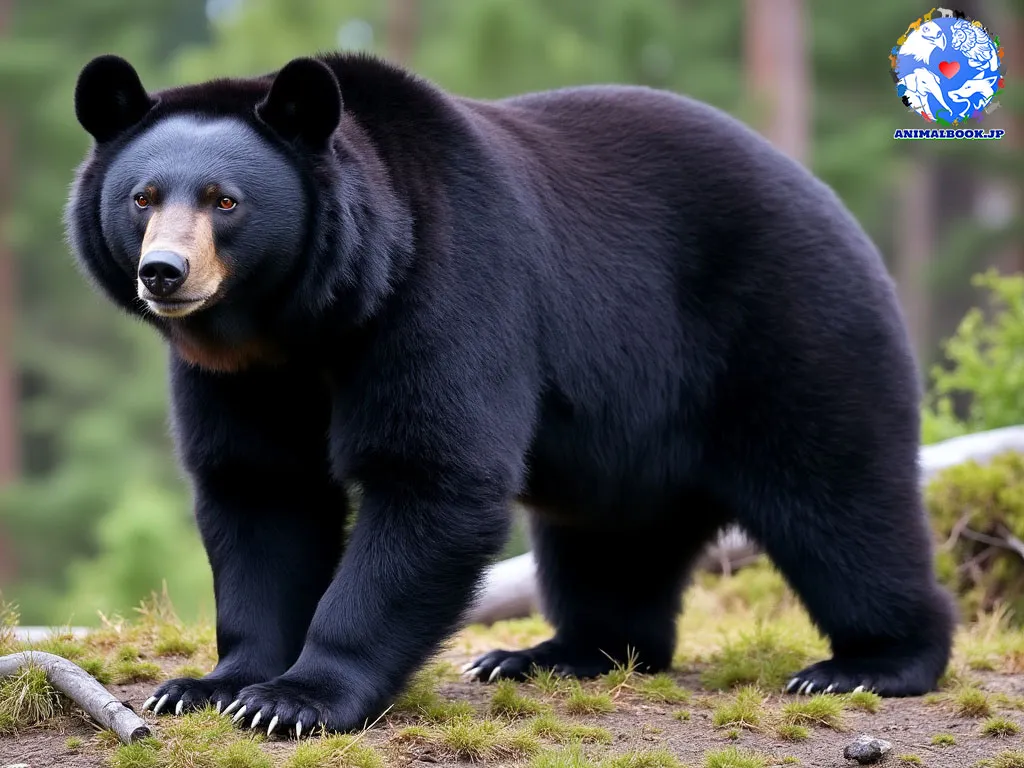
x,y
189,233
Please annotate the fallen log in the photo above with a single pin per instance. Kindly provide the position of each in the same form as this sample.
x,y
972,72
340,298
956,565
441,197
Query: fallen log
x,y
83,689
509,588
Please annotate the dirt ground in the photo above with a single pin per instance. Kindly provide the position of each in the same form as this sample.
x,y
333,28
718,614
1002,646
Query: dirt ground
x,y
909,724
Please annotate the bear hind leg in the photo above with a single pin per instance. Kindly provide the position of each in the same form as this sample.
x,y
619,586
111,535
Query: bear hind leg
x,y
612,595
863,570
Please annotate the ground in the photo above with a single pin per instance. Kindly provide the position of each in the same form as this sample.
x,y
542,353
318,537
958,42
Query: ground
x,y
720,707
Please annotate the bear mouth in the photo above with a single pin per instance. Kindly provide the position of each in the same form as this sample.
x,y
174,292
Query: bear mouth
x,y
174,307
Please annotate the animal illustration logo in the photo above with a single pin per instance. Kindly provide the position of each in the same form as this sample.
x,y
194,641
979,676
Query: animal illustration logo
x,y
947,68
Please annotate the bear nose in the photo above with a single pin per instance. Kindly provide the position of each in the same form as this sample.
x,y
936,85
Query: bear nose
x,y
162,272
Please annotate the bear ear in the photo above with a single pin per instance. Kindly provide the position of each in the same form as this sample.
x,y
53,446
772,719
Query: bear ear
x,y
304,103
109,97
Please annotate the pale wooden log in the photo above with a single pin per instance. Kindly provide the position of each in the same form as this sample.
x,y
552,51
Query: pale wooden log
x,y
83,689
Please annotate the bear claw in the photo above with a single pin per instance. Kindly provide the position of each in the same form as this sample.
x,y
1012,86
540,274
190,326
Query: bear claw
x,y
160,704
272,726
495,674
181,705
256,720
231,707
239,715
149,703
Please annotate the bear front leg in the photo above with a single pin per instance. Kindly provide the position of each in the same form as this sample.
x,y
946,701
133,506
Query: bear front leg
x,y
270,517
406,578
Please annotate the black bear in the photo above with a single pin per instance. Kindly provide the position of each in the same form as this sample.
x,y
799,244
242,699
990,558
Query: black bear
x,y
618,305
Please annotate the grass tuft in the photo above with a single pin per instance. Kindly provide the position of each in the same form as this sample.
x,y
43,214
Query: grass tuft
x,y
509,703
764,657
662,688
171,641
547,682
572,757
27,698
999,727
471,740
972,702
128,672
618,679
243,754
867,701
1010,759
73,744
98,668
583,702
141,754
822,709
791,732
744,711
338,751
909,759
943,740
733,757
549,727
658,758
421,699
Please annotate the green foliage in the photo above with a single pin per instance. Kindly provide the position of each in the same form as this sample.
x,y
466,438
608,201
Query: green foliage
x,y
976,510
986,357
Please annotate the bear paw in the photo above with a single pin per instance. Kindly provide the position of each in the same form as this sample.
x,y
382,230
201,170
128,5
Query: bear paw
x,y
185,694
299,707
561,659
884,676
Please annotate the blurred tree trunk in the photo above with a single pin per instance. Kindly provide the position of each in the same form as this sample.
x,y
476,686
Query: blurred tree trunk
x,y
915,244
402,25
9,432
778,76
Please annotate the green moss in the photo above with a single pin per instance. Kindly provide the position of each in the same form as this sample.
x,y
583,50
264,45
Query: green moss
x,y
822,709
733,757
662,688
73,743
583,702
27,698
943,740
909,759
548,726
999,727
763,657
509,703
744,711
681,714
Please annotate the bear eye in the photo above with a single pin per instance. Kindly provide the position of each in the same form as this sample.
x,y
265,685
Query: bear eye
x,y
142,201
226,203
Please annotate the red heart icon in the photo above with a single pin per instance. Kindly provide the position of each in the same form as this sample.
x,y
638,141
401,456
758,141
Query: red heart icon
x,y
949,68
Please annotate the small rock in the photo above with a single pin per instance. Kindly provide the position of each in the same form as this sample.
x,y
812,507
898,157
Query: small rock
x,y
866,749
